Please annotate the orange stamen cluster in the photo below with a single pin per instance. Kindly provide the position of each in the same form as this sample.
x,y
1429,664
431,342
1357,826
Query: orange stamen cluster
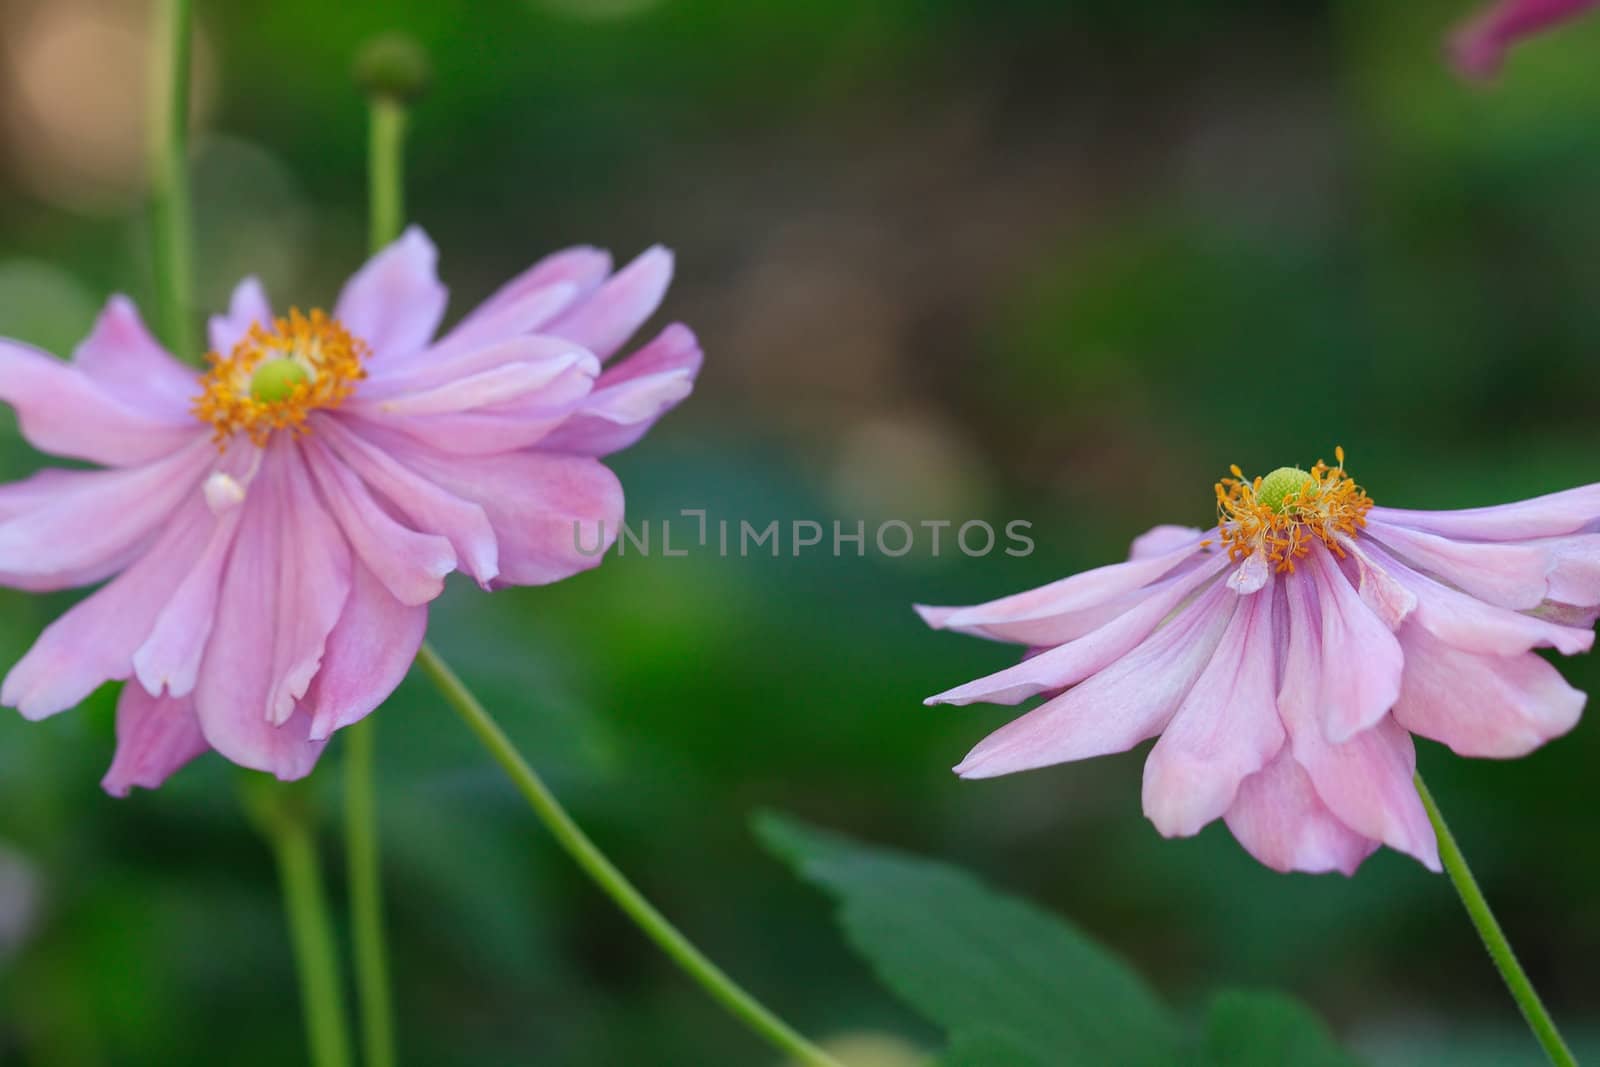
x,y
234,400
1327,507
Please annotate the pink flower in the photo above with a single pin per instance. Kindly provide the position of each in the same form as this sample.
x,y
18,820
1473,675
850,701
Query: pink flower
x,y
1478,47
274,531
1286,656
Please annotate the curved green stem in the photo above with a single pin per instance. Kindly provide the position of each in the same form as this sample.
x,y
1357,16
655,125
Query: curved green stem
x,y
169,176
285,819
610,880
1494,939
365,871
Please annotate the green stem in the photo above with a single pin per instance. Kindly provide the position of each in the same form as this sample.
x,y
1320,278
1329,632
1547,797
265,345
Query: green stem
x,y
386,161
363,855
366,896
285,819
1494,939
169,176
610,880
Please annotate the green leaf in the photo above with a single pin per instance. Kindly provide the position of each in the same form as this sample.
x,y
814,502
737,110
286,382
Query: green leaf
x,y
1260,1029
1013,986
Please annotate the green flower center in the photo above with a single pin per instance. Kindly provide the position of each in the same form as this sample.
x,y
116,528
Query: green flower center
x,y
275,380
1280,485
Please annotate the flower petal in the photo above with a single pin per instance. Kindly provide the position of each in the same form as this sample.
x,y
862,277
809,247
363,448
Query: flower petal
x,y
1513,576
1036,616
65,528
1367,781
553,515
65,412
169,657
395,302
1279,819
155,737
604,322
368,654
1493,706
1161,539
285,587
121,357
429,507
1551,515
1225,730
531,299
94,642
1478,48
1071,663
248,307
1112,711
631,396
1471,625
411,565
1361,658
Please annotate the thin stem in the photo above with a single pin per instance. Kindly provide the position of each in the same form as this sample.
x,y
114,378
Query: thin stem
x,y
169,176
385,170
1494,939
364,859
365,870
610,880
285,819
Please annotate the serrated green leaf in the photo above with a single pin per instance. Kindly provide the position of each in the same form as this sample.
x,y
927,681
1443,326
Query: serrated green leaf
x,y
1263,1029
1012,985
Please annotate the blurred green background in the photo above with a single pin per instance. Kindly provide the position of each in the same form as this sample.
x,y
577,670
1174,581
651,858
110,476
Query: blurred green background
x,y
953,259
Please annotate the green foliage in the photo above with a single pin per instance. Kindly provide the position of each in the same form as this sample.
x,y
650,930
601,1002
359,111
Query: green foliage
x,y
1017,987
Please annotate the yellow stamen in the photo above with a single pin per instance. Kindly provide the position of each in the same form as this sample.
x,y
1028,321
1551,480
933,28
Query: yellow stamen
x,y
1281,514
275,377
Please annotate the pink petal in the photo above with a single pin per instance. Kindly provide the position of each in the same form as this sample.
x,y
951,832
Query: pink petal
x,y
1112,711
604,322
1478,48
1279,819
427,506
95,641
248,307
395,302
1510,575
63,411
1351,700
1474,626
1367,781
530,300
121,357
155,737
285,587
169,658
1493,706
1035,616
368,654
1388,599
1225,730
553,515
1568,511
441,368
631,396
66,528
411,565
1159,540
1071,663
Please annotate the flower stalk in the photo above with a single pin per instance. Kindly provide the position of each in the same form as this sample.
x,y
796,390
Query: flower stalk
x,y
169,175
284,816
610,880
1494,938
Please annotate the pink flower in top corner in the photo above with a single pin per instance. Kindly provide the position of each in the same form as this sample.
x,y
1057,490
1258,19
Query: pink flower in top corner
x,y
1478,47
274,529
1285,657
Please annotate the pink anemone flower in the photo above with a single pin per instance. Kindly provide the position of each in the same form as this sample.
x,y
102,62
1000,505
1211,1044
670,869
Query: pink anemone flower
x,y
1478,47
1286,656
274,528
